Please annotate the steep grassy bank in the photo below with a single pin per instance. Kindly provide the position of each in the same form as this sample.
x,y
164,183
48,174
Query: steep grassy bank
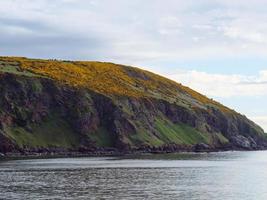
x,y
47,105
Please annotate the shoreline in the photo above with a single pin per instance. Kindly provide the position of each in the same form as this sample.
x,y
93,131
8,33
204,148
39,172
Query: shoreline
x,y
77,154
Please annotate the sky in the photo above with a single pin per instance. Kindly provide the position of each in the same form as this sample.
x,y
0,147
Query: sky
x,y
217,47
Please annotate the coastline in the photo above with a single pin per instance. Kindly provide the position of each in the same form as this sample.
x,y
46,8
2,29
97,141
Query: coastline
x,y
110,152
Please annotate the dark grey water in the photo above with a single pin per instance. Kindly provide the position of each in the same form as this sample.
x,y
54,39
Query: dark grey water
x,y
220,176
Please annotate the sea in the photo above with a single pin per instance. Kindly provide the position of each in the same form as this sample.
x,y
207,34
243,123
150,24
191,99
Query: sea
x,y
182,176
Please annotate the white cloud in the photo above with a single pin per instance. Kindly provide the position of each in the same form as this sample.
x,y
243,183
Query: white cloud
x,y
226,87
171,29
247,29
262,120
137,32
222,85
236,33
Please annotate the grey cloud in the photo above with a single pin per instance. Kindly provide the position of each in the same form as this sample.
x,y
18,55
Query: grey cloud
x,y
253,83
32,25
142,32
126,30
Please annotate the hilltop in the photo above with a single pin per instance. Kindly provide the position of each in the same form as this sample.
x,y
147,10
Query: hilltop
x,y
51,105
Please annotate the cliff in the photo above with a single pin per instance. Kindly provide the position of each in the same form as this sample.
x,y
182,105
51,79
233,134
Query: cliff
x,y
49,105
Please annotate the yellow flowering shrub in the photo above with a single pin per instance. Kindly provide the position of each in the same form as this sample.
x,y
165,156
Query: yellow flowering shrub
x,y
110,79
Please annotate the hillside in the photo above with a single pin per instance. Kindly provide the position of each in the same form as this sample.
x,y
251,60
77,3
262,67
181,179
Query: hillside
x,y
50,105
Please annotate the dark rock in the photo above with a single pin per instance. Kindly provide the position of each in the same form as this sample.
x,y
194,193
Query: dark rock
x,y
201,147
126,123
243,142
6,145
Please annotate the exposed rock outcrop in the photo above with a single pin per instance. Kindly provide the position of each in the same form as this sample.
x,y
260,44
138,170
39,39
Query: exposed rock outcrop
x,y
41,114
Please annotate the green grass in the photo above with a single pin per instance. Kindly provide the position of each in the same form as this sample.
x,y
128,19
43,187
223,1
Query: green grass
x,y
37,87
169,133
102,138
222,139
14,68
53,132
145,138
180,133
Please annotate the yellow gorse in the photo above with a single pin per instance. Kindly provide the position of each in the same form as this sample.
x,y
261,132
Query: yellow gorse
x,y
110,79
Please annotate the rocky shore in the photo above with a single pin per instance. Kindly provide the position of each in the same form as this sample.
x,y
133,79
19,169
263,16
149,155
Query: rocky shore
x,y
85,152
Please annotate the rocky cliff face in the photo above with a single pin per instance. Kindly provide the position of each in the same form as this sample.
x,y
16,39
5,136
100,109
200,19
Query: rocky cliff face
x,y
40,113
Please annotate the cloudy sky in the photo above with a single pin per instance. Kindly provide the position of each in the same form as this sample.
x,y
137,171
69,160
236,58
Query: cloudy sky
x,y
217,47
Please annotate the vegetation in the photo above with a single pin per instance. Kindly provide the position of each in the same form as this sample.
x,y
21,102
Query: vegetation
x,y
109,105
169,133
53,132
13,67
102,138
110,79
180,133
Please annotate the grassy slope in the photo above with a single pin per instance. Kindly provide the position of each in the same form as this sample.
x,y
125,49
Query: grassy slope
x,y
125,81
170,133
53,132
13,67
102,138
